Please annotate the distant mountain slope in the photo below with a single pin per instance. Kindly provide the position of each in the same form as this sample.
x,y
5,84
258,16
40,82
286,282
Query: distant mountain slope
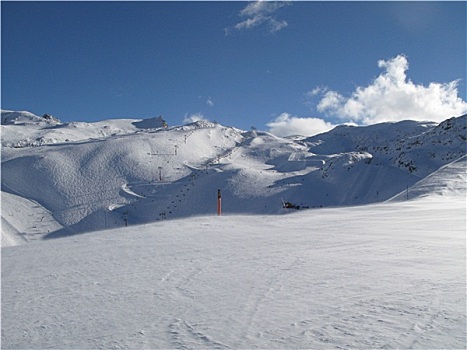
x,y
24,220
92,176
24,129
449,180
420,148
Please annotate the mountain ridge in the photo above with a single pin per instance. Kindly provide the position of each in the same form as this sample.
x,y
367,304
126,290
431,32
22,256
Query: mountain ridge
x,y
93,176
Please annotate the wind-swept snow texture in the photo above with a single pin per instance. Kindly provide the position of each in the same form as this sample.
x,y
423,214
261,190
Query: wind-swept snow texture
x,y
61,179
388,275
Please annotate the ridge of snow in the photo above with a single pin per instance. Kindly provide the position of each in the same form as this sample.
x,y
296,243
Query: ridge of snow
x,y
25,117
24,129
449,180
34,221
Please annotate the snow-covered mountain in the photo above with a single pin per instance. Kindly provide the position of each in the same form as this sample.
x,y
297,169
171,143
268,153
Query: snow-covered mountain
x,y
38,131
66,178
382,275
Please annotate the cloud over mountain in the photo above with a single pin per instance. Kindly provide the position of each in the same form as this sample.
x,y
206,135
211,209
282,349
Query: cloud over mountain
x,y
393,97
287,124
193,118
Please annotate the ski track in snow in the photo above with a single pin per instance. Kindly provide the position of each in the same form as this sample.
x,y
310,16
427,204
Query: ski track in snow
x,y
380,276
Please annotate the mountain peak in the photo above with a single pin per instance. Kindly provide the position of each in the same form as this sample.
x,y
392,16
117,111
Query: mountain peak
x,y
24,117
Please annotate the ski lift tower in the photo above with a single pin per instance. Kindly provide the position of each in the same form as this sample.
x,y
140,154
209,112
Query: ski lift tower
x,y
160,173
219,203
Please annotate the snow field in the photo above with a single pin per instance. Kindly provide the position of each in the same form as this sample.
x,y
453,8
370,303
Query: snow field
x,y
378,276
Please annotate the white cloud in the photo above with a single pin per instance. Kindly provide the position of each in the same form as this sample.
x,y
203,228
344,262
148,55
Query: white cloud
x,y
261,12
276,25
210,102
286,125
261,8
194,118
316,91
392,97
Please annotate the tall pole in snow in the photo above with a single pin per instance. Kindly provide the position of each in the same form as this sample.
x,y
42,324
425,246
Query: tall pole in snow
x,y
219,203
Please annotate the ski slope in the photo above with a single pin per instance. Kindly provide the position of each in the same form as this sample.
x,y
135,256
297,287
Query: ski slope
x,y
388,275
62,179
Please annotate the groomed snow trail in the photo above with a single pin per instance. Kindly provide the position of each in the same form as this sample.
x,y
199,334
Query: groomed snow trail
x,y
381,276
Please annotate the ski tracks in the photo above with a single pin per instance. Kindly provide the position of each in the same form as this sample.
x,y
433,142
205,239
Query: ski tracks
x,y
188,284
189,336
269,296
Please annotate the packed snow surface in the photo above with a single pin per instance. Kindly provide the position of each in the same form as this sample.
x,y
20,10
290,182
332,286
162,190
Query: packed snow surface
x,y
379,276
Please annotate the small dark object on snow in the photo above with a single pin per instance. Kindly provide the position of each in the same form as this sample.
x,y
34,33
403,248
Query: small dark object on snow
x,y
289,205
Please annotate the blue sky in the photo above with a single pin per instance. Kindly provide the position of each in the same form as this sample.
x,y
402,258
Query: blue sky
x,y
283,66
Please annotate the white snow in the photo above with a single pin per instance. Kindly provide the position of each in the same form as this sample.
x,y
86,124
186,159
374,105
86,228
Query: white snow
x,y
24,129
34,220
136,171
377,276
377,258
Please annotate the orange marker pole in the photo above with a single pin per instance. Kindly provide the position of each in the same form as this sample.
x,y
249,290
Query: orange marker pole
x,y
219,203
